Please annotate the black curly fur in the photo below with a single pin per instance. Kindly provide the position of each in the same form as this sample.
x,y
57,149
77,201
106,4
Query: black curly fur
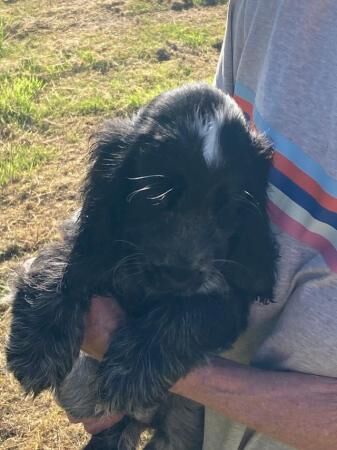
x,y
180,236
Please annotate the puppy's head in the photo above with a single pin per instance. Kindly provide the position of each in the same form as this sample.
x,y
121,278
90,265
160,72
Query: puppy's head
x,y
176,200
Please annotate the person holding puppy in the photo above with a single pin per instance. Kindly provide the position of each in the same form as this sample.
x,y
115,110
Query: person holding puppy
x,y
277,389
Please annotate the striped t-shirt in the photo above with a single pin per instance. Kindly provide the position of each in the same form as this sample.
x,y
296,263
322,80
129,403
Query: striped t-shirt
x,y
279,61
302,195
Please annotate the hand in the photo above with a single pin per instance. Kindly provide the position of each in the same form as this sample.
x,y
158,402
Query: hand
x,y
104,318
94,425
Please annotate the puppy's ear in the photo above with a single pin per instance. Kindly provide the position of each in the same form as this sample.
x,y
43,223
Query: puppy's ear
x,y
104,192
254,249
252,246
246,152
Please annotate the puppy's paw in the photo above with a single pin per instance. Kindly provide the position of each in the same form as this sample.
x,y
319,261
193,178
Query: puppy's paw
x,y
77,393
35,366
46,328
132,377
44,341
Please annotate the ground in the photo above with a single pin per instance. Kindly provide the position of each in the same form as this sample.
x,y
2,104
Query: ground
x,y
65,66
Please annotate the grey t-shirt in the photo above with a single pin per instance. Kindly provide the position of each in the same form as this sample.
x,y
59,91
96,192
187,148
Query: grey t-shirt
x,y
279,60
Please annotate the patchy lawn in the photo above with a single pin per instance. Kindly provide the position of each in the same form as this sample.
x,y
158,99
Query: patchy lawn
x,y
64,67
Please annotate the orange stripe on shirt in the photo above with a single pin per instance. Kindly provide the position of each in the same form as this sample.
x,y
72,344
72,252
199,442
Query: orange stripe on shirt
x,y
305,182
293,172
244,105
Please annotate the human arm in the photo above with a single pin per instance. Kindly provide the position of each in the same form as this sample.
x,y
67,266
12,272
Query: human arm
x,y
285,402
297,409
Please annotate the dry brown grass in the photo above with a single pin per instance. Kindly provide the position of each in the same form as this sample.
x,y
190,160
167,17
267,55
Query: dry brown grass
x,y
95,58
27,424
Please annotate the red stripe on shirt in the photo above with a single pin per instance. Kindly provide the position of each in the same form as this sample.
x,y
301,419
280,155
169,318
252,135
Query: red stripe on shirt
x,y
299,232
244,105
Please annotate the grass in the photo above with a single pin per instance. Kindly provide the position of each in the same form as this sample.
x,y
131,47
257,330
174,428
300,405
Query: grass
x,y
18,97
64,68
18,160
150,6
3,37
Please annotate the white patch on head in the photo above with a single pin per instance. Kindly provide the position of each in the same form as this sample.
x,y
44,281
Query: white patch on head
x,y
208,128
211,149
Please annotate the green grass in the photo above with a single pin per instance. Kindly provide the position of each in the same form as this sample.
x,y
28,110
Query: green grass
x,y
3,35
51,75
184,35
65,66
86,81
103,64
136,7
18,97
18,160
121,94
54,72
209,2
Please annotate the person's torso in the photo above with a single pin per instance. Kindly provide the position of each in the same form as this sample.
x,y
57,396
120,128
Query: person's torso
x,y
282,70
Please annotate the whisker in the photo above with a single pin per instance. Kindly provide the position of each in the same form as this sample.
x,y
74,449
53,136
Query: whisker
x,y
126,261
249,195
112,270
130,273
128,257
160,196
247,199
231,262
134,193
123,241
145,177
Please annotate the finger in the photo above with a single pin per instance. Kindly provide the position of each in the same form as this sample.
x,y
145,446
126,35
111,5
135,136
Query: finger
x,y
73,419
94,425
104,317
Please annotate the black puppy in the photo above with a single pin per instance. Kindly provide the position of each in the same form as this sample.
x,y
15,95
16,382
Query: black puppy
x,y
174,224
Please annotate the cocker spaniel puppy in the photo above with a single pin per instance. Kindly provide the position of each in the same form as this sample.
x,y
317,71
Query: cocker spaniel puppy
x,y
173,224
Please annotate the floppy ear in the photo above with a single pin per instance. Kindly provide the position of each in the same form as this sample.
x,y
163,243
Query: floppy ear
x,y
254,249
252,245
101,215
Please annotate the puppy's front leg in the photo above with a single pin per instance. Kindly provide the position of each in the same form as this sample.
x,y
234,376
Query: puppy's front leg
x,y
147,356
46,329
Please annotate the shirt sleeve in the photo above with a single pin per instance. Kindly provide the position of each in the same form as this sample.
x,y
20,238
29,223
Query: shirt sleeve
x,y
224,78
232,46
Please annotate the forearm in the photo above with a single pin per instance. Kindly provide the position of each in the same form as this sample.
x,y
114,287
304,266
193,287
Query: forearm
x,y
297,409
